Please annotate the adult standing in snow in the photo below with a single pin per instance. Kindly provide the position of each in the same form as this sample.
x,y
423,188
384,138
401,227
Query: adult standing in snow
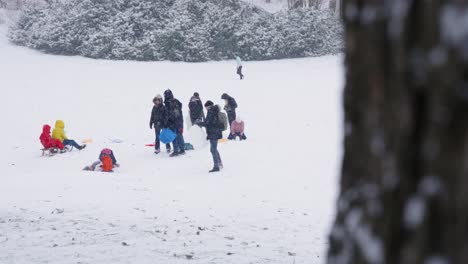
x,y
230,107
175,122
214,132
239,67
158,120
196,109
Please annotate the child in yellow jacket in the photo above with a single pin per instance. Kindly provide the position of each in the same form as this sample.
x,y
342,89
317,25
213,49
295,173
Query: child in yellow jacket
x,y
59,133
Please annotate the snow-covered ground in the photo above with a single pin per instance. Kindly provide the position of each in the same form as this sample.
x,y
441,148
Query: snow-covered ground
x,y
272,203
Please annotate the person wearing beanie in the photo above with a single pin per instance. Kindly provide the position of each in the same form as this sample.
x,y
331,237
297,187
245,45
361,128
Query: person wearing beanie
x,y
158,120
230,106
237,130
196,109
214,132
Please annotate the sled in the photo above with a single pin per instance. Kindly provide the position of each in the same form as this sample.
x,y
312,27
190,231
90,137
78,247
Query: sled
x,y
96,166
49,152
223,140
150,145
167,136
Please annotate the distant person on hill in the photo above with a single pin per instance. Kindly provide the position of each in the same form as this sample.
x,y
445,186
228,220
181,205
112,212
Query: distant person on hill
x,y
196,109
230,107
239,67
59,133
237,130
214,132
158,120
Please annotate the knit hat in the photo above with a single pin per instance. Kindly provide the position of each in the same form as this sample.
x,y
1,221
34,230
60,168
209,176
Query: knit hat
x,y
225,96
208,103
196,94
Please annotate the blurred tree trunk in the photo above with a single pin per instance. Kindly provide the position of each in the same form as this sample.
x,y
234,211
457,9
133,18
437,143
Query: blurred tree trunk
x,y
404,178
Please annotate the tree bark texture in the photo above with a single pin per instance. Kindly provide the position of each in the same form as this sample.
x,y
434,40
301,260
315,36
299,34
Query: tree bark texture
x,y
404,180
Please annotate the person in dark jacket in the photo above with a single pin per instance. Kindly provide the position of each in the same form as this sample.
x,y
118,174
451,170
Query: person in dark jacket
x,y
230,107
158,120
175,122
171,103
196,109
214,132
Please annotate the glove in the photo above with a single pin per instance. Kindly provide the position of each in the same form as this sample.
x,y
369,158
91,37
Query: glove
x,y
151,125
182,131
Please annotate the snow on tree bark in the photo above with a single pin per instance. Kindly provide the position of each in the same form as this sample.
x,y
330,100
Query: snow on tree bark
x,y
404,173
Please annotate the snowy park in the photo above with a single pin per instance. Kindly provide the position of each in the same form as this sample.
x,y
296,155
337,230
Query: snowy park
x,y
272,203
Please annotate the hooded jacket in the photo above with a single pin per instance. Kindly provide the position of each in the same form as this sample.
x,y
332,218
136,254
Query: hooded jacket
x,y
213,129
175,120
47,141
158,114
168,96
59,132
196,108
231,103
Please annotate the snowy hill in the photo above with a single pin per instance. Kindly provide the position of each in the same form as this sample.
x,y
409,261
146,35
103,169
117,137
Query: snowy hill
x,y
272,203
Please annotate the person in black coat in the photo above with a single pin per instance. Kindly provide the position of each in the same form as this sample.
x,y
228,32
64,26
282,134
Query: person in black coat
x,y
175,121
158,120
196,109
230,107
214,132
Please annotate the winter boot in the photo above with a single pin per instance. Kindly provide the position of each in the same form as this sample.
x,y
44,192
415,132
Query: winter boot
x,y
215,169
82,147
174,154
157,151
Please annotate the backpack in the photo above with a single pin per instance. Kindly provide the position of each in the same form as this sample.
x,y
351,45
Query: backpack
x,y
222,121
106,163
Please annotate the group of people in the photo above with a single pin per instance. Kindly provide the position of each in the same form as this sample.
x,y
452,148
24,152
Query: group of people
x,y
58,142
167,113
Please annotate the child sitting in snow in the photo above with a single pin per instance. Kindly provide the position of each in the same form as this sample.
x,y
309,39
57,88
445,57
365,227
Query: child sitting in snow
x,y
48,142
237,130
107,161
59,133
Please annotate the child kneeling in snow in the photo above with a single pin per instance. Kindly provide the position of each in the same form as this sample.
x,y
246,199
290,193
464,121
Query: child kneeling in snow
x,y
237,130
107,161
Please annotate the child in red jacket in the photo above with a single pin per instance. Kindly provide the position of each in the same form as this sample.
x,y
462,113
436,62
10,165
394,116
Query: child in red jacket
x,y
47,141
